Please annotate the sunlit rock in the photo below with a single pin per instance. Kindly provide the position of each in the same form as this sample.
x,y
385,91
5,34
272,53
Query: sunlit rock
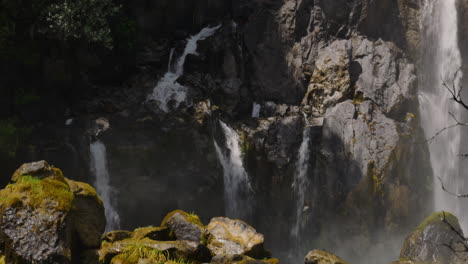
x,y
234,237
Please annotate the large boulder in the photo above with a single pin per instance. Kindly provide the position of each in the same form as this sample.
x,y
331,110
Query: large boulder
x,y
184,226
439,239
322,257
46,218
234,237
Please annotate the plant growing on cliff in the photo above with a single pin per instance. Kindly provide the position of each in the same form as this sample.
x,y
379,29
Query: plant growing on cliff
x,y
10,137
83,19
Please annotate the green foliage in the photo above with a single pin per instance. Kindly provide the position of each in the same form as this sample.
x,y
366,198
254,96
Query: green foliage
x,y
83,19
25,97
10,137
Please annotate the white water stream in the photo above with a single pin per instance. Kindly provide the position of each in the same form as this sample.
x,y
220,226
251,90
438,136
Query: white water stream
x,y
168,89
301,182
237,187
441,61
103,188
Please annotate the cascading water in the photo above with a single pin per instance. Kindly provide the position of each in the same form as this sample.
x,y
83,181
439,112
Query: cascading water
x,y
237,188
441,62
256,110
101,174
168,89
301,183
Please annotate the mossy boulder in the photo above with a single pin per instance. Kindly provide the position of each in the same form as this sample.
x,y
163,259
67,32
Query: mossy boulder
x,y
88,214
322,257
234,237
438,239
151,232
184,226
135,250
46,218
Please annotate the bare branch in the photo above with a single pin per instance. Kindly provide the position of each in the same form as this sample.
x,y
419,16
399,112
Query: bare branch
x,y
449,192
454,91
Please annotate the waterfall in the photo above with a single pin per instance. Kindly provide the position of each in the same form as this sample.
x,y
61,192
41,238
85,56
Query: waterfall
x,y
237,187
101,174
441,61
168,89
256,110
301,183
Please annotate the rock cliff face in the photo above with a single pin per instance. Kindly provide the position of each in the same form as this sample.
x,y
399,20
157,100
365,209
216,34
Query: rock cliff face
x,y
344,68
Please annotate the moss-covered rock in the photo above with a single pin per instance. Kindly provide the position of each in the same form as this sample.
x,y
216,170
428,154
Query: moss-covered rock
x,y
88,214
46,218
146,249
234,237
184,226
151,232
39,169
322,257
438,239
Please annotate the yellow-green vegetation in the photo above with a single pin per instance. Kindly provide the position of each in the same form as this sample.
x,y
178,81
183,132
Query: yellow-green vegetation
x,y
443,221
35,193
136,252
155,233
131,251
2,260
272,261
192,218
319,256
83,189
439,217
10,137
376,180
358,98
245,144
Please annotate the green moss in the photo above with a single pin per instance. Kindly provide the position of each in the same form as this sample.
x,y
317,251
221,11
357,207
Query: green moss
x,y
11,135
136,252
192,218
154,233
133,251
438,217
35,193
82,189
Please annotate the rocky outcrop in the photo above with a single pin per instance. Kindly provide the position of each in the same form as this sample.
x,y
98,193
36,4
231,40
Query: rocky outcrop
x,y
224,241
439,239
46,218
322,257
